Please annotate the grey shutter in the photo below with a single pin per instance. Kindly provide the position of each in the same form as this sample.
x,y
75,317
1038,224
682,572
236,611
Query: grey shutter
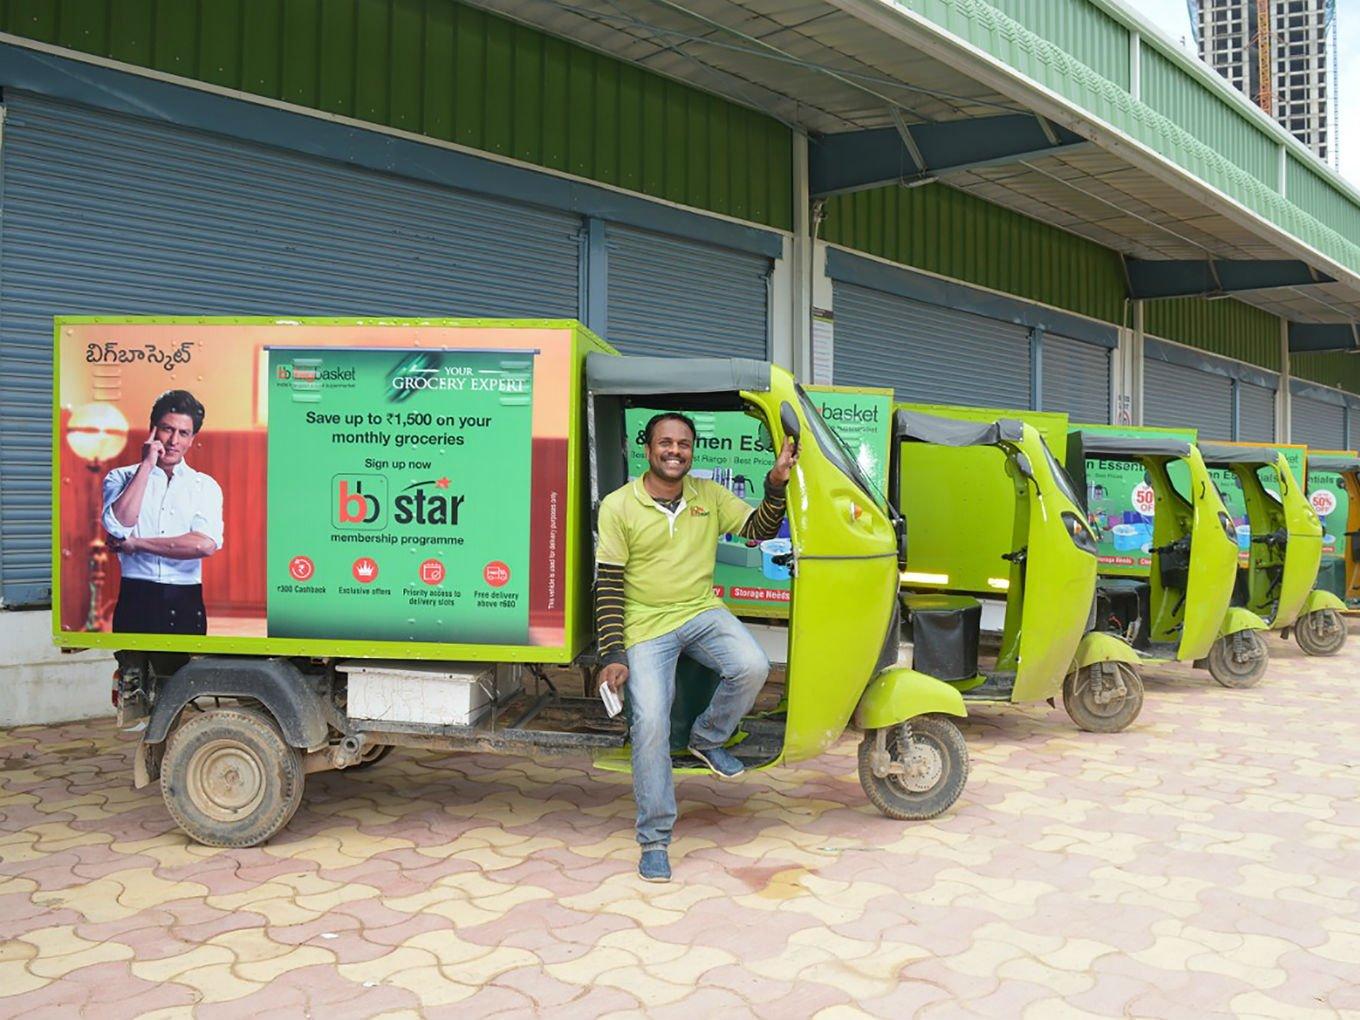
x,y
1176,396
667,295
106,214
1317,423
929,353
1075,377
1255,413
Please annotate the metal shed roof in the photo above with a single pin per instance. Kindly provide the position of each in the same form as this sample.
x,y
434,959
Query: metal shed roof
x,y
1071,111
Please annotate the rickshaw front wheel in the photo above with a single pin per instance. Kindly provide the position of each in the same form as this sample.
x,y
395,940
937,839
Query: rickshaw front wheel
x,y
1239,660
1321,632
1104,697
914,770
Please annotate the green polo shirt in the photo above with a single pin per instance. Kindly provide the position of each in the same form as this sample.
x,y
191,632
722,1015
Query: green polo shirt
x,y
667,562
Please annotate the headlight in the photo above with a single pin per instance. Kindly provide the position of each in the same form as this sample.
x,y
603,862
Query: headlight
x,y
1080,532
1229,529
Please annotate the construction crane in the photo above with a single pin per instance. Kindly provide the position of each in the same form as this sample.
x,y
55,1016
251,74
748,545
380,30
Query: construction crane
x,y
1265,93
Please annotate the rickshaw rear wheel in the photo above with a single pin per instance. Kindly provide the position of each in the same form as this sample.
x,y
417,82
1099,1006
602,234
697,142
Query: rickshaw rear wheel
x,y
1104,697
914,770
229,778
1321,632
1239,660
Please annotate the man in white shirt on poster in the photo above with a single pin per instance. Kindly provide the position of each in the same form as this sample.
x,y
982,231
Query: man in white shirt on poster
x,y
163,519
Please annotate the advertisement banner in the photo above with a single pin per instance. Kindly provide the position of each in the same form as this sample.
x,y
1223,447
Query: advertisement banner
x,y
316,486
1235,499
413,467
1121,504
1331,502
736,451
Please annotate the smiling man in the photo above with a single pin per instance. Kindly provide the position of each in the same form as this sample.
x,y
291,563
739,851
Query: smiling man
x,y
654,601
163,518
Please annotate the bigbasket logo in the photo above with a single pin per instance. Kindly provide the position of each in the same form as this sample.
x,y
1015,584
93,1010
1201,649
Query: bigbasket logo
x,y
360,501
284,372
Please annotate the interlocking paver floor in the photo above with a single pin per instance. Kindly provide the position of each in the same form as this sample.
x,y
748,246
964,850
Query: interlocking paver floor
x,y
1205,862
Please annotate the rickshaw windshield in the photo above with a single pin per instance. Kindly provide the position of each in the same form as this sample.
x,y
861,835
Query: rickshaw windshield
x,y
837,452
1060,475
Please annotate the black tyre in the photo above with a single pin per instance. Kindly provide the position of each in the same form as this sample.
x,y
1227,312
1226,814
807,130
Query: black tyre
x,y
925,770
229,778
1321,632
1239,660
1104,697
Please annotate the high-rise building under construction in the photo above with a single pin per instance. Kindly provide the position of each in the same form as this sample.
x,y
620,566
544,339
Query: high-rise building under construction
x,y
1282,54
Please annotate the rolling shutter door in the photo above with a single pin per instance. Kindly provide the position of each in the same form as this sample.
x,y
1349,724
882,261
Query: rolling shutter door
x,y
106,214
1075,377
1176,396
1317,423
929,353
1255,413
671,296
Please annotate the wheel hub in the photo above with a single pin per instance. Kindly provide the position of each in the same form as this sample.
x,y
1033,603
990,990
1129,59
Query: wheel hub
x,y
922,762
226,780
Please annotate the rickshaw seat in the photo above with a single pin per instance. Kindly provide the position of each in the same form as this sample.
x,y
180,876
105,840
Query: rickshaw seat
x,y
944,632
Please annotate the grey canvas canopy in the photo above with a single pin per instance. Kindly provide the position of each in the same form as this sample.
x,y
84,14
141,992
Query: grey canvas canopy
x,y
1334,463
1222,453
1131,446
608,375
929,428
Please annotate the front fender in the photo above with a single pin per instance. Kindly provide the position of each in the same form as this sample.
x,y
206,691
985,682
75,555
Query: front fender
x,y
1240,619
896,695
1097,646
1319,599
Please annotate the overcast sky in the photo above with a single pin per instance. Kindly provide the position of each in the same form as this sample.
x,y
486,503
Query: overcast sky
x,y
1171,17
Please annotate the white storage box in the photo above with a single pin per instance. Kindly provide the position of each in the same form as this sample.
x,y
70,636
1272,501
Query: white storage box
x,y
433,693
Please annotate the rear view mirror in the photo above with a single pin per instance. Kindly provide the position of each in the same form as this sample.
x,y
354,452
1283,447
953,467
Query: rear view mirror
x,y
788,418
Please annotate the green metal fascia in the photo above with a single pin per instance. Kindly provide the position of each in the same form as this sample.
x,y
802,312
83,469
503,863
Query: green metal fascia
x,y
950,233
1337,369
1049,65
454,73
1227,327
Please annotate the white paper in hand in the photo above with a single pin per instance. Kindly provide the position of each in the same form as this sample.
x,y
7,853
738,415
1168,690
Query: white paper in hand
x,y
612,704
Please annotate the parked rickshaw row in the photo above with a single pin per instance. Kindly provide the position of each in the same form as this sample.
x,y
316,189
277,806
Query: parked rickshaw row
x,y
1012,558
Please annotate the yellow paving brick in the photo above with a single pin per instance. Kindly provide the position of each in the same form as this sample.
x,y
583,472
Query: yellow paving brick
x,y
121,895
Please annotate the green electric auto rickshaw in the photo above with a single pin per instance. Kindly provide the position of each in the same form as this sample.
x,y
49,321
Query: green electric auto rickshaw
x,y
1169,590
1334,491
1283,547
843,617
1049,578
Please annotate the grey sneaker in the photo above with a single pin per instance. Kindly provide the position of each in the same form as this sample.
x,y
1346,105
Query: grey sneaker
x,y
721,762
655,865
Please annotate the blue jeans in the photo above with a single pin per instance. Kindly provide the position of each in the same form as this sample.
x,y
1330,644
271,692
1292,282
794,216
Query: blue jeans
x,y
716,639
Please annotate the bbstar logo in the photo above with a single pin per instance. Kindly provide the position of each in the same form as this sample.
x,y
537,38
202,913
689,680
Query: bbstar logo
x,y
428,502
360,501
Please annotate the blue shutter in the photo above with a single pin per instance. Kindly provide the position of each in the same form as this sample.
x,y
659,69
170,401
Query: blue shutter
x,y
1075,377
1318,423
106,214
1177,396
1255,413
666,295
928,353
